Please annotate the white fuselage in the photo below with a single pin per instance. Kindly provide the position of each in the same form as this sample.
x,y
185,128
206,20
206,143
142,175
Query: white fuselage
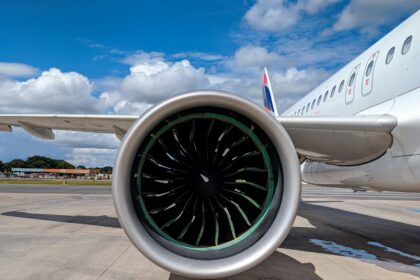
x,y
374,83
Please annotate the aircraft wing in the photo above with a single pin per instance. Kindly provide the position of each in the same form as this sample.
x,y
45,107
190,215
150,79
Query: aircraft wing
x,y
335,140
340,140
42,126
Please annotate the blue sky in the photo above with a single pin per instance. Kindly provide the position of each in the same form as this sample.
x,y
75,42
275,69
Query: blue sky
x,y
121,57
70,34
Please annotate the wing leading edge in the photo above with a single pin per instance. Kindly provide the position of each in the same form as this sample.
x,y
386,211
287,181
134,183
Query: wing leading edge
x,y
41,126
335,140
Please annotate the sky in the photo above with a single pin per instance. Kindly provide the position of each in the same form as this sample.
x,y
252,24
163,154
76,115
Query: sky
x,y
122,57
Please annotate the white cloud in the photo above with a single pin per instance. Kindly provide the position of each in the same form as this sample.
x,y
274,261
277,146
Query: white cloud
x,y
20,144
199,56
271,15
152,81
52,92
76,139
368,15
314,6
294,83
148,68
253,56
152,78
308,53
288,85
88,149
143,57
17,70
278,15
92,157
107,83
247,87
108,99
125,107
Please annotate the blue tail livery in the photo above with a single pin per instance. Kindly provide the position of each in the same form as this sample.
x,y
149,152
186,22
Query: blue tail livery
x,y
269,102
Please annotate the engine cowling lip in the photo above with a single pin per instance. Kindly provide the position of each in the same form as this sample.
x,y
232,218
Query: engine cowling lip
x,y
201,268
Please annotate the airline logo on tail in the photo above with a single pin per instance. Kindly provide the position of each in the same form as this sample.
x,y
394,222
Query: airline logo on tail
x,y
269,102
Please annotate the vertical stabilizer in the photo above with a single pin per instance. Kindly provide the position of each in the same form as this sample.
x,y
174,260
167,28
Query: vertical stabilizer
x,y
269,102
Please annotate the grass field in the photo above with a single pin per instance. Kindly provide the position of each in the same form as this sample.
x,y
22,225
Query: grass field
x,y
56,182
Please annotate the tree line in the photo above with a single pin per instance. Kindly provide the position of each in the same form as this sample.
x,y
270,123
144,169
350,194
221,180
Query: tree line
x,y
45,162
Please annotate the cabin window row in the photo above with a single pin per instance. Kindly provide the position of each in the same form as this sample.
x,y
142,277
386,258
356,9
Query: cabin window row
x,y
404,50
317,101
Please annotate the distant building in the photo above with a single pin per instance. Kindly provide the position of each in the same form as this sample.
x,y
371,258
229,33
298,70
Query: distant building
x,y
50,172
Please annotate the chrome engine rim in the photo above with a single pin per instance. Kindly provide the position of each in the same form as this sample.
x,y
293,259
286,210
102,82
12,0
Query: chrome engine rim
x,y
191,267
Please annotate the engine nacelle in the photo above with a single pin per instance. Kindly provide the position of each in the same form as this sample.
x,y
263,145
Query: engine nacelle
x,y
206,184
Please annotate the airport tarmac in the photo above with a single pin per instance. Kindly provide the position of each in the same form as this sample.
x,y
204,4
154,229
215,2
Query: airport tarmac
x,y
71,232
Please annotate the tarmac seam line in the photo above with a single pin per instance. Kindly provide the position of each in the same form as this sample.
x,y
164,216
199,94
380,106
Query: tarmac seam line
x,y
103,273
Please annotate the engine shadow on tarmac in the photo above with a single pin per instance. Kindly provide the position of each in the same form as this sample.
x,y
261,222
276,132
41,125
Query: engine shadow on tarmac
x,y
100,221
277,266
331,225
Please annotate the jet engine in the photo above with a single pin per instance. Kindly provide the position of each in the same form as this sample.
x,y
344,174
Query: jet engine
x,y
206,184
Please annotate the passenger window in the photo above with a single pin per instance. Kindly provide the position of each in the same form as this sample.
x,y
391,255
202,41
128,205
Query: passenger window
x,y
307,107
313,104
325,96
407,45
332,92
340,89
369,69
303,110
390,55
351,81
299,112
319,100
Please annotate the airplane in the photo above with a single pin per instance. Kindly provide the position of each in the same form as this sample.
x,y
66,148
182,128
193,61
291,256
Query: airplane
x,y
207,184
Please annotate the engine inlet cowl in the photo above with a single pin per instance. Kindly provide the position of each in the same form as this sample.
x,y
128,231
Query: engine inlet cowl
x,y
206,184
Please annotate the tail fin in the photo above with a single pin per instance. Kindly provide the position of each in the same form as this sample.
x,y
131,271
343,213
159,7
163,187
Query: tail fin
x,y
269,102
